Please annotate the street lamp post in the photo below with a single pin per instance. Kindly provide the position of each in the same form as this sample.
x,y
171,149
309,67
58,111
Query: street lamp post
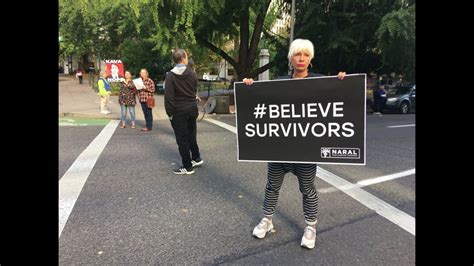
x,y
60,39
292,21
71,69
292,26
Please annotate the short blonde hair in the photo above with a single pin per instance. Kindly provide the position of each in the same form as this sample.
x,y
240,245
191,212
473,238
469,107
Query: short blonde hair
x,y
299,45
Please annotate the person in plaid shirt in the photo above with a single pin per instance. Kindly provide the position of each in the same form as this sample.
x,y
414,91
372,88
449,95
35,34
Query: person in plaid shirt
x,y
144,94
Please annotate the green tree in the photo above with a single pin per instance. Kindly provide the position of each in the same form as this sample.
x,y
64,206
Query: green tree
x,y
186,23
396,41
75,36
347,34
356,36
109,30
138,53
106,27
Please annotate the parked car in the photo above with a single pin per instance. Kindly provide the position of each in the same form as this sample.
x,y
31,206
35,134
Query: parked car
x,y
401,98
160,88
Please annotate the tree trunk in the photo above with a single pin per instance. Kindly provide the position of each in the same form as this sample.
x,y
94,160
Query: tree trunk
x,y
257,32
247,53
244,40
85,62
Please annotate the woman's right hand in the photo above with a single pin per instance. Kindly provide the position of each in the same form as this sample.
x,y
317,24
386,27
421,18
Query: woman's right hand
x,y
247,81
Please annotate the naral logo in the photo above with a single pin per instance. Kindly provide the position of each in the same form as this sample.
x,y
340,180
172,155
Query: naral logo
x,y
342,153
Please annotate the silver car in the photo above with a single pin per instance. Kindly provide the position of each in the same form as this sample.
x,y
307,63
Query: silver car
x,y
402,99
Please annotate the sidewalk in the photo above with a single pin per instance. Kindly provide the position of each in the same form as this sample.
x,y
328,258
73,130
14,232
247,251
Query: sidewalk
x,y
80,100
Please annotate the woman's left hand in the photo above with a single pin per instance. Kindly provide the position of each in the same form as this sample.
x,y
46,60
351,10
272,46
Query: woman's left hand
x,y
341,75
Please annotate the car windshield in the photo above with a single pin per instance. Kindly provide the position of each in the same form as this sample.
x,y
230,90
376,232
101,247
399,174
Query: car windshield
x,y
399,91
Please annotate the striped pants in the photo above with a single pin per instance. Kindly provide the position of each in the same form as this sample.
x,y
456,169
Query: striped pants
x,y
306,174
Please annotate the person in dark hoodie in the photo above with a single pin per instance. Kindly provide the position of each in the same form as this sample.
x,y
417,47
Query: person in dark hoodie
x,y
181,107
380,98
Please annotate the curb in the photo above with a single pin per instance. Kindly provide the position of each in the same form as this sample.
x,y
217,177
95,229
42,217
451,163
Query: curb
x,y
79,115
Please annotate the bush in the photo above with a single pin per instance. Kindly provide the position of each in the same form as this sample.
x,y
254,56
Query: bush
x,y
203,86
139,53
114,88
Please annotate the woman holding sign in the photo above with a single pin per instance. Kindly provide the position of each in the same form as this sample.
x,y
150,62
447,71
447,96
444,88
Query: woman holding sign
x,y
300,55
144,94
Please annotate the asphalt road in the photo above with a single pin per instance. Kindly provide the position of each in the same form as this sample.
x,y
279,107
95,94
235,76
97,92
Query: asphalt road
x,y
133,210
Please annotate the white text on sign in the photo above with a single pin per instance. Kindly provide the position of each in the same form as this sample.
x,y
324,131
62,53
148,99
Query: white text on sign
x,y
295,129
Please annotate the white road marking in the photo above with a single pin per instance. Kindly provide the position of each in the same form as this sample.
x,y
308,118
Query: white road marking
x,y
396,216
223,125
410,125
70,185
370,181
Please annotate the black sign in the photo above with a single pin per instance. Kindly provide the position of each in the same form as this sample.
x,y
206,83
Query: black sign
x,y
311,120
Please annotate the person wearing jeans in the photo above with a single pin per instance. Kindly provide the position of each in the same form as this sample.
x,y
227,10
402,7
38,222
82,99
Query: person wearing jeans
x,y
127,99
123,112
143,95
181,108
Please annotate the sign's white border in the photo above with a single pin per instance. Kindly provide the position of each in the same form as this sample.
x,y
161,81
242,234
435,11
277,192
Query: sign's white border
x,y
276,80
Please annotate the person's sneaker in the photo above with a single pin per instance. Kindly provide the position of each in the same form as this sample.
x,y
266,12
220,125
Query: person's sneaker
x,y
309,237
262,228
183,171
103,112
197,162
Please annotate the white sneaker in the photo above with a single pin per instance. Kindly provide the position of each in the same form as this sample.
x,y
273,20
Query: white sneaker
x,y
183,171
197,162
309,237
262,228
104,112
